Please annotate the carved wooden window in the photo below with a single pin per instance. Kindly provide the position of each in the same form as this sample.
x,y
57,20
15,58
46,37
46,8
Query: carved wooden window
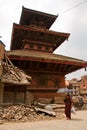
x,y
39,47
47,48
31,46
42,82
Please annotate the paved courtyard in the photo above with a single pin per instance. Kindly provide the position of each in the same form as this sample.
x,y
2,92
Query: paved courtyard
x,y
78,122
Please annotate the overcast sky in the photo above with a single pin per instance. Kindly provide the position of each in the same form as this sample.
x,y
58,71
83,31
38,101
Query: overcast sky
x,y
72,18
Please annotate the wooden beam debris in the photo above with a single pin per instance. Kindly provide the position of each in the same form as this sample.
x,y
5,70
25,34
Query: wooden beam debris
x,y
51,113
13,75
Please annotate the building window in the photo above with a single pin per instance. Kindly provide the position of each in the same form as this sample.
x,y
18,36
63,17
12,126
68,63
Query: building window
x,y
42,82
47,48
39,47
31,46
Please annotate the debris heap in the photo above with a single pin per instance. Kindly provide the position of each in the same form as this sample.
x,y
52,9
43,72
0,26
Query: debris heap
x,y
21,112
12,74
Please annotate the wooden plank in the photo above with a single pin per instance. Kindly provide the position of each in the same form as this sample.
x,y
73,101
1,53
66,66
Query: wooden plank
x,y
16,73
37,42
46,94
51,113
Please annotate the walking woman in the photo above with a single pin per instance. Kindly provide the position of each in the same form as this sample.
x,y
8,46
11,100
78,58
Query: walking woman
x,y
68,105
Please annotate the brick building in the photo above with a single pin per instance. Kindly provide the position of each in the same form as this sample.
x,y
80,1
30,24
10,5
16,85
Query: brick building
x,y
79,85
83,85
13,81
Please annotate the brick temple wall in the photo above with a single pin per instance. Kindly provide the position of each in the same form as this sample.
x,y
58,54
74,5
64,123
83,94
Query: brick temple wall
x,y
2,47
46,85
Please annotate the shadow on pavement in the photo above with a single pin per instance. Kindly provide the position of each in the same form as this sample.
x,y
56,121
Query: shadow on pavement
x,y
76,119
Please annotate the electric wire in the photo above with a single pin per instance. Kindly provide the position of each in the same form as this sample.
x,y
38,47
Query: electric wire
x,y
77,5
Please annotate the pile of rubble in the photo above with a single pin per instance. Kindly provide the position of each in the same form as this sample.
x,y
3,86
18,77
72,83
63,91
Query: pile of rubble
x,y
12,74
26,113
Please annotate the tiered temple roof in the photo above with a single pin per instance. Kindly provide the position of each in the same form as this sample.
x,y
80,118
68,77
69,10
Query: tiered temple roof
x,y
32,33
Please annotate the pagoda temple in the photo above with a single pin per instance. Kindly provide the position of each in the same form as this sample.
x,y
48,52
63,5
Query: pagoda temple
x,y
32,47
